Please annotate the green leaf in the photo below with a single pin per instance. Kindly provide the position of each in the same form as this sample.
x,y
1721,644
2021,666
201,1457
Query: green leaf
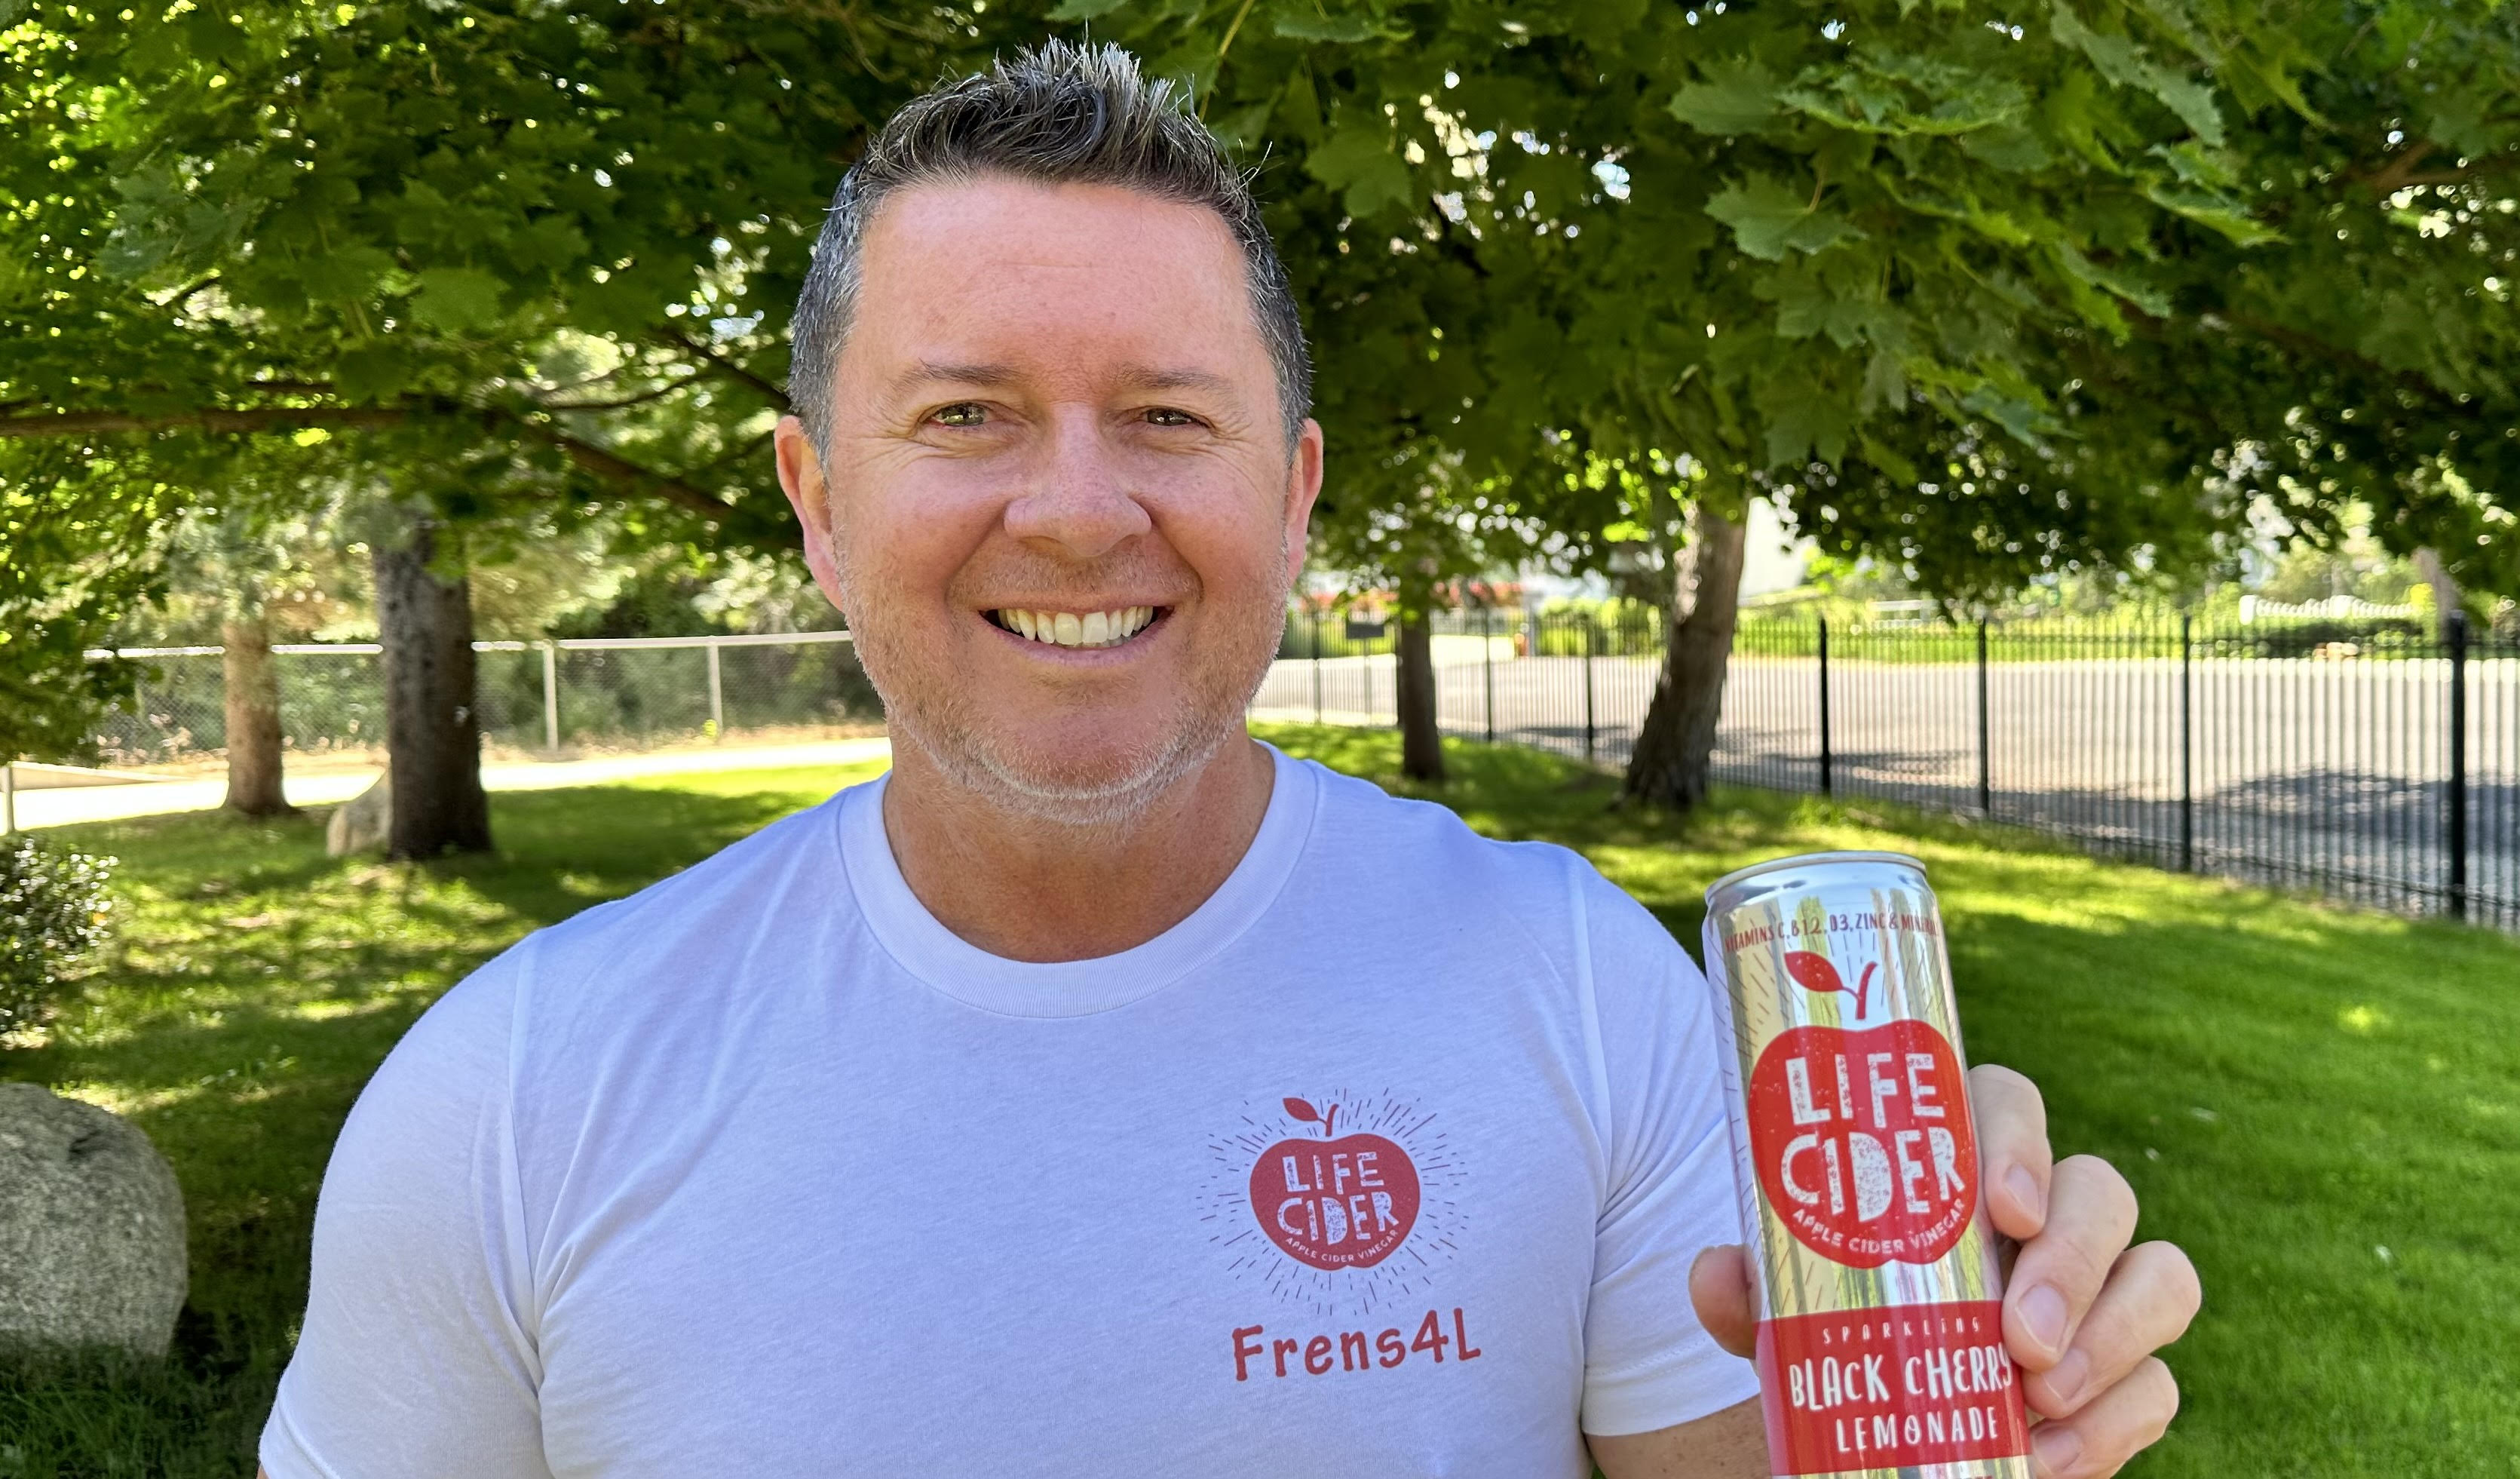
x,y
372,372
1084,10
347,276
2460,121
2116,281
457,299
2011,412
2012,148
1805,418
1359,159
2211,211
553,243
1885,387
1807,306
1886,457
1731,101
2120,61
1245,128
1768,219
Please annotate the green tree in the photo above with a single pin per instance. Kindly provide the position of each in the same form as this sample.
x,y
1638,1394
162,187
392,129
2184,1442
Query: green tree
x,y
1964,292
77,538
508,257
1985,299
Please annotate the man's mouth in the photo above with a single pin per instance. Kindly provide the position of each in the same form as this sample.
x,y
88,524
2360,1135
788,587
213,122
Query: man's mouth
x,y
1077,629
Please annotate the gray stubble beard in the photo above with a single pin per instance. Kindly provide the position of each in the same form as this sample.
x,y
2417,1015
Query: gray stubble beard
x,y
950,737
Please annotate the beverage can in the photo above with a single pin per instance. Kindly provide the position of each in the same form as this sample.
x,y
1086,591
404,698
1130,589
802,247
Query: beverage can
x,y
1879,1292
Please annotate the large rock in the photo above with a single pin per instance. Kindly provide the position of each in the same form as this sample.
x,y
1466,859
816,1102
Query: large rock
x,y
360,824
91,1228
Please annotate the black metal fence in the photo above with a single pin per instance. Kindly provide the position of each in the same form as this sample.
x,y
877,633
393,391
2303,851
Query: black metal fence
x,y
2384,768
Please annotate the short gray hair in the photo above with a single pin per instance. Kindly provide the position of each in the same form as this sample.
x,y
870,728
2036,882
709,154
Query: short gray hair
x,y
1062,113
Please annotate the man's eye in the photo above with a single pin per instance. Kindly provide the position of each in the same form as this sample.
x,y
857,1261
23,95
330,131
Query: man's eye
x,y
962,414
1166,416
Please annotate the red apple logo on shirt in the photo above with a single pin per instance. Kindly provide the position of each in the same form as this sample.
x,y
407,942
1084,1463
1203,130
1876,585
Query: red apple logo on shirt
x,y
1862,1141
1344,1202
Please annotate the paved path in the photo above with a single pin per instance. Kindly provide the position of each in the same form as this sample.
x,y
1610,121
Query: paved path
x,y
2300,770
103,803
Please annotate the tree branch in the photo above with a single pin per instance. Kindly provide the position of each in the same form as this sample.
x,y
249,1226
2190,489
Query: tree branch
x,y
183,295
2288,337
2390,178
603,464
736,454
725,366
1453,245
585,455
640,399
258,419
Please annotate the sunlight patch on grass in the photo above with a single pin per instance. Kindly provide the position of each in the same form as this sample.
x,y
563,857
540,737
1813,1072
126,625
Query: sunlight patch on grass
x,y
128,1102
2363,1019
333,1009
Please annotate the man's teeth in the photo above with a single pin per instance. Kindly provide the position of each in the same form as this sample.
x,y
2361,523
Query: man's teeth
x,y
1093,628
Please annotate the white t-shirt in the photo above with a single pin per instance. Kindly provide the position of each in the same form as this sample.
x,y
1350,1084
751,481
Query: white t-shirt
x,y
1389,1160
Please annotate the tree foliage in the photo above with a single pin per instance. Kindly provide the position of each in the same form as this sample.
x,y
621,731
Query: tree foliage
x,y
1990,296
511,264
1986,296
76,532
545,252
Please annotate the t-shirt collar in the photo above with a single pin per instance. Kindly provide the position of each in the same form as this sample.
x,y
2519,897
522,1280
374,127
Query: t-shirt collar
x,y
954,967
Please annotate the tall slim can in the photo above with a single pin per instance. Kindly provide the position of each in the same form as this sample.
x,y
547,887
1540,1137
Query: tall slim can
x,y
1879,1294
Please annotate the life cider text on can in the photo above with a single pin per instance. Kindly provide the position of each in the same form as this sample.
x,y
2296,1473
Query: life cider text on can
x,y
1879,1296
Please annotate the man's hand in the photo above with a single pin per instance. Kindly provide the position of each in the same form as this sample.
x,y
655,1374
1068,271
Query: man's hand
x,y
2083,1313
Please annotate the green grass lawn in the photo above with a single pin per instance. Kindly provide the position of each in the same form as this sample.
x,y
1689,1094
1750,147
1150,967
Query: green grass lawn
x,y
2292,1088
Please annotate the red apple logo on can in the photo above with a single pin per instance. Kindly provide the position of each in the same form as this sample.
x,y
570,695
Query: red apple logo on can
x,y
1862,1141
1814,973
1336,1202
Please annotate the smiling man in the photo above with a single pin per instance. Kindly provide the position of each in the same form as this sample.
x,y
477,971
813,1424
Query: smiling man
x,y
1101,1092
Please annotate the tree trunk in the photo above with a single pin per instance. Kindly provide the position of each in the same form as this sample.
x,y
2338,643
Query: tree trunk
x,y
433,735
1677,743
1421,739
252,695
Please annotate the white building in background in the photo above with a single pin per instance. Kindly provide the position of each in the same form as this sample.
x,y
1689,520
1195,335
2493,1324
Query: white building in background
x,y
1772,560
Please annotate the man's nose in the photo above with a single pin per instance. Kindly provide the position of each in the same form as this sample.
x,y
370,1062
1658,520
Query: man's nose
x,y
1078,499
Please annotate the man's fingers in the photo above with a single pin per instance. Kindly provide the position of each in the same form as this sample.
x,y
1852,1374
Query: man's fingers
x,y
2090,1214
2097,1441
2012,1148
2145,1304
1719,1286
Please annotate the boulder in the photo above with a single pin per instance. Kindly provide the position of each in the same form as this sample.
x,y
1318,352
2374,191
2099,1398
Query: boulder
x,y
91,1228
360,824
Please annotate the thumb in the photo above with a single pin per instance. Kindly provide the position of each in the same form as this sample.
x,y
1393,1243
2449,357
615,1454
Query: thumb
x,y
1719,1288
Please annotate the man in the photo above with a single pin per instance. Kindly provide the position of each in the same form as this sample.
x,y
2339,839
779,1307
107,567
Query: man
x,y
1101,1092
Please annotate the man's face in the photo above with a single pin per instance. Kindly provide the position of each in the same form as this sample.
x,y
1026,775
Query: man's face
x,y
1057,507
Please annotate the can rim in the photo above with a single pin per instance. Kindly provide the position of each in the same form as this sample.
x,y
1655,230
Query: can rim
x,y
1804,859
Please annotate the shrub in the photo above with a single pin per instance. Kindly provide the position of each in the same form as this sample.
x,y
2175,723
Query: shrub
x,y
54,910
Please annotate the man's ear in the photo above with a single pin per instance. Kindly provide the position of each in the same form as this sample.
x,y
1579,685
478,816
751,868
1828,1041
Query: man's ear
x,y
1303,490
800,477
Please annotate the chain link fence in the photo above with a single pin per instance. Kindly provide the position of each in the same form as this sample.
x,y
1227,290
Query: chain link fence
x,y
588,694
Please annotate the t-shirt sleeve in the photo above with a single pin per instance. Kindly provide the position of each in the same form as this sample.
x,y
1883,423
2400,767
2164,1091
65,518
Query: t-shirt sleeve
x,y
417,1357
1647,1362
